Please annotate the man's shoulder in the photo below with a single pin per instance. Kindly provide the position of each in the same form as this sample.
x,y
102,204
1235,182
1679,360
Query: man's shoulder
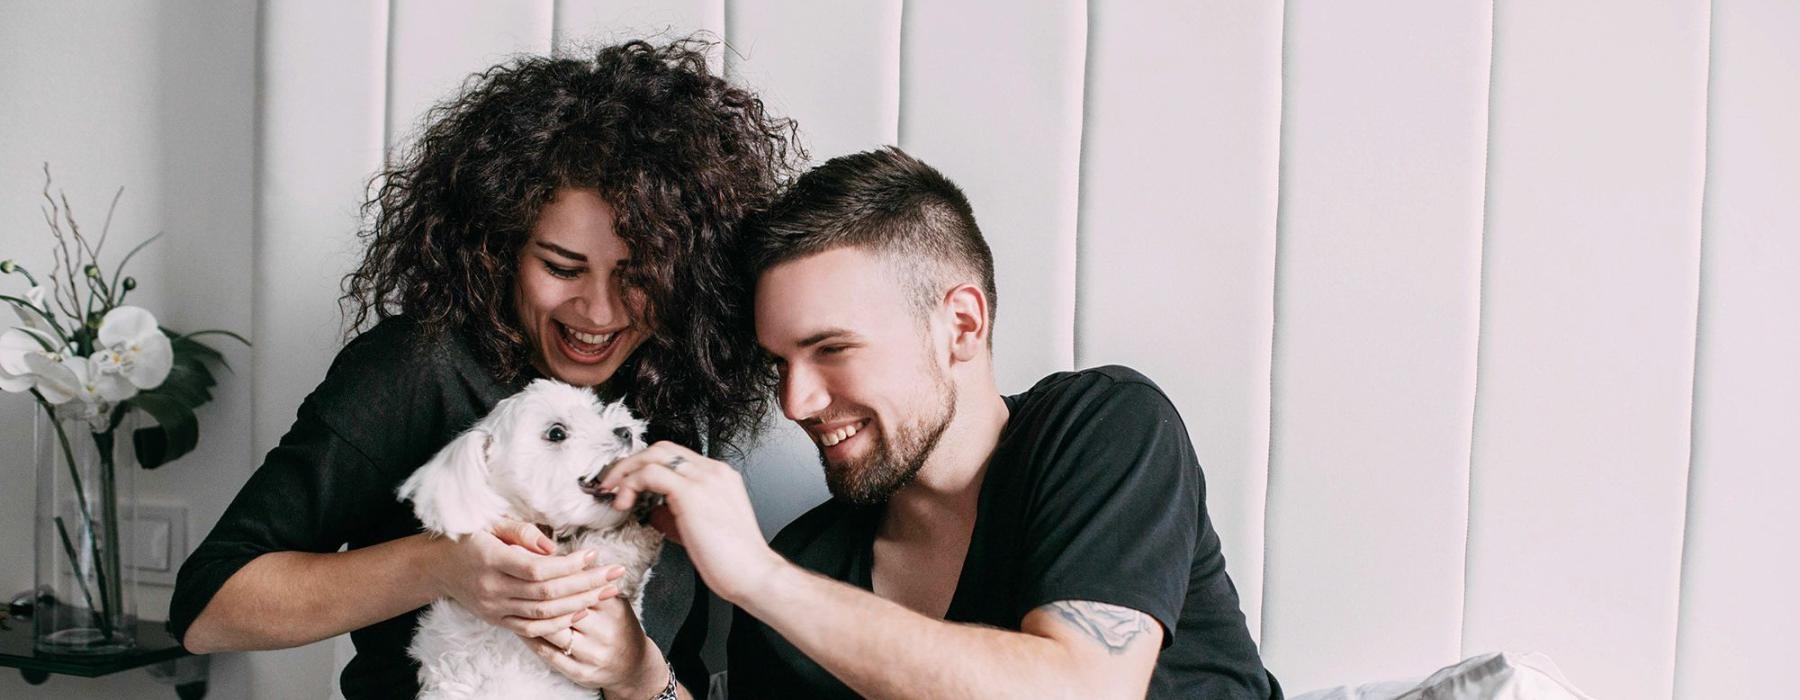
x,y
1095,388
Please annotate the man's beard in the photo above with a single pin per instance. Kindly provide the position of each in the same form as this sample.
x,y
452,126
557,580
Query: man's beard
x,y
874,478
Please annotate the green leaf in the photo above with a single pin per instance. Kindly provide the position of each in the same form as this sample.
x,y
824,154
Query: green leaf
x,y
176,432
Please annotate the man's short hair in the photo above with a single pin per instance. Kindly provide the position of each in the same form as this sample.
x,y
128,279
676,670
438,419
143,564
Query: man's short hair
x,y
891,204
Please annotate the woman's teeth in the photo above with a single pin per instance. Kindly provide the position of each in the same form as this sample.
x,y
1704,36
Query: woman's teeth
x,y
841,434
588,338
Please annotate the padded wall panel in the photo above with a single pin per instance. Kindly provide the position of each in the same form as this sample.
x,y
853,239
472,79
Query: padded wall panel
x,y
1376,312
1586,369
1176,268
608,21
434,46
1738,609
834,68
323,77
991,94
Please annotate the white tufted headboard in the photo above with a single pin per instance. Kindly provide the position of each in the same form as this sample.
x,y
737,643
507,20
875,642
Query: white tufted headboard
x,y
1483,316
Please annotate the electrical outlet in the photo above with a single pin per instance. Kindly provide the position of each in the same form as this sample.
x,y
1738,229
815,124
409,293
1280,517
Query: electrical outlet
x,y
160,543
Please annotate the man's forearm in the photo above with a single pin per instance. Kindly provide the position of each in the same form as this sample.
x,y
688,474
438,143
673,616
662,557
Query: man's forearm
x,y
884,650
286,599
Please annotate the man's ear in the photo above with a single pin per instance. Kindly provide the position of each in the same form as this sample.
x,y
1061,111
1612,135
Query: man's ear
x,y
451,494
967,309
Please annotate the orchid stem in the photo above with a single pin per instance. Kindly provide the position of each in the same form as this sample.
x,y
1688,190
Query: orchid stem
x,y
69,549
87,517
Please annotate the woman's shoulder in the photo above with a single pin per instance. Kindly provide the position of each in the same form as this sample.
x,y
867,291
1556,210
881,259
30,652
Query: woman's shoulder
x,y
400,385
398,351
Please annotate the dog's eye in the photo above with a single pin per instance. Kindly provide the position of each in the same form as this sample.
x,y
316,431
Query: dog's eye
x,y
623,434
556,433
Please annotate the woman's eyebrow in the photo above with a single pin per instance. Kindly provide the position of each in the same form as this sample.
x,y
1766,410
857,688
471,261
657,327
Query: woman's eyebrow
x,y
559,250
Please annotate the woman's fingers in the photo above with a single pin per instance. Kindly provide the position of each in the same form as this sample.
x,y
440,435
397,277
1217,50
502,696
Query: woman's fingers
x,y
528,627
545,609
569,665
537,567
579,582
524,535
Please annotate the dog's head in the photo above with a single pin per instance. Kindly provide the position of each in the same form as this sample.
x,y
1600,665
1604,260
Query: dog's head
x,y
535,458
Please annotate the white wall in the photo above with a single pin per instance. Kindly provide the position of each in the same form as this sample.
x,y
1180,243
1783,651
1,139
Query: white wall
x,y
1483,316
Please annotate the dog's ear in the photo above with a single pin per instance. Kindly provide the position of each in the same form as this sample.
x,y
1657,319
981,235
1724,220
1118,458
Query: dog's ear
x,y
451,494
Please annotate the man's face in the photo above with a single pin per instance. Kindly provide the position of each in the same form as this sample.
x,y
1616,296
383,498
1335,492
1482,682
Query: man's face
x,y
860,371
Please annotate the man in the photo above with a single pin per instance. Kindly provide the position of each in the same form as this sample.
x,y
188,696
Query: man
x,y
1053,543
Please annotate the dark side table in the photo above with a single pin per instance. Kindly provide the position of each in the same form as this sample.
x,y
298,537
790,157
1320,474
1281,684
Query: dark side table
x,y
154,647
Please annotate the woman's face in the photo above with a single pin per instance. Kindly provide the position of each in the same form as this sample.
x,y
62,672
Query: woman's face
x,y
579,318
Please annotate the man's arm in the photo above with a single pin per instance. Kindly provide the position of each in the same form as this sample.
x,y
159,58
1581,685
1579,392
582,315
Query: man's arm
x,y
877,647
882,649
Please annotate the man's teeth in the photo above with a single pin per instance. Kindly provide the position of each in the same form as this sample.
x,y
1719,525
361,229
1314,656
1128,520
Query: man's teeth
x,y
836,436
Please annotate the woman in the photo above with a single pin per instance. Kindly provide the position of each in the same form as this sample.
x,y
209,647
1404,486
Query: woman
x,y
573,219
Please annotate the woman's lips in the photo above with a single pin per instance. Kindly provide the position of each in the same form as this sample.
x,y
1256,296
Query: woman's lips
x,y
582,352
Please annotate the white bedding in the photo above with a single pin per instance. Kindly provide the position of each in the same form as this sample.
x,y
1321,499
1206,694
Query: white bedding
x,y
1497,676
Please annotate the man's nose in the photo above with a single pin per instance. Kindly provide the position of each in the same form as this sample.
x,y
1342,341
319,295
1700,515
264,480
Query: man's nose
x,y
803,395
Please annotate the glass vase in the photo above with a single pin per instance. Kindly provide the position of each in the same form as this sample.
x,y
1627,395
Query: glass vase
x,y
86,495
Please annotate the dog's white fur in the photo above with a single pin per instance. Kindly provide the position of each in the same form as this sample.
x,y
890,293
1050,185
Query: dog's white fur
x,y
508,466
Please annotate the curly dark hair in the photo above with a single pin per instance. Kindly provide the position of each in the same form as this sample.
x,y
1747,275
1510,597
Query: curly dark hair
x,y
682,156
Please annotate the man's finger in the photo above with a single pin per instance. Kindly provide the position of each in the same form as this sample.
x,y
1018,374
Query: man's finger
x,y
651,477
660,453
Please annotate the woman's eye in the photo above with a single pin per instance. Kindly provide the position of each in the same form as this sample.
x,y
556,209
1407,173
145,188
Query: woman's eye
x,y
833,349
567,273
556,433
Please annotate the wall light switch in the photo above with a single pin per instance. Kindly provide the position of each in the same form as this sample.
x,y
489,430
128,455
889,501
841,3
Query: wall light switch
x,y
161,543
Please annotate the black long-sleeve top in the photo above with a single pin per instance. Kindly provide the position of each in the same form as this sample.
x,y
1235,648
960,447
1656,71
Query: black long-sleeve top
x,y
390,401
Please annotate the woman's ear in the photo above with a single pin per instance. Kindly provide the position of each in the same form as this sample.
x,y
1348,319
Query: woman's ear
x,y
451,493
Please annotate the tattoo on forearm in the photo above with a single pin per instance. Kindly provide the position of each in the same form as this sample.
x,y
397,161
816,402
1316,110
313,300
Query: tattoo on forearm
x,y
1111,625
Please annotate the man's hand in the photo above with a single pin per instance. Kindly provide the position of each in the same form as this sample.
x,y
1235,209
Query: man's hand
x,y
508,579
706,510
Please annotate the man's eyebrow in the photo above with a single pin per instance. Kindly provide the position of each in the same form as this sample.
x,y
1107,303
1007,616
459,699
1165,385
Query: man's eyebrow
x,y
824,335
559,250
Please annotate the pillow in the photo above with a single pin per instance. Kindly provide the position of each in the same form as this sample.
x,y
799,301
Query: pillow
x,y
1499,676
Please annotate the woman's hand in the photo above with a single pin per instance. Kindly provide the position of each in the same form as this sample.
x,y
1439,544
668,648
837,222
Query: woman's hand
x,y
508,578
606,650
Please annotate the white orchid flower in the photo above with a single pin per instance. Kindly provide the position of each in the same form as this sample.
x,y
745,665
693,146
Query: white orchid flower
x,y
15,374
133,353
70,380
62,378
37,295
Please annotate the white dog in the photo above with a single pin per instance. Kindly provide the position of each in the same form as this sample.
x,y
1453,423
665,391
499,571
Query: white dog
x,y
537,458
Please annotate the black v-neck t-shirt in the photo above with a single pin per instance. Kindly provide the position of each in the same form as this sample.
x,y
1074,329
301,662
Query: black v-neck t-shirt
x,y
1093,492
390,401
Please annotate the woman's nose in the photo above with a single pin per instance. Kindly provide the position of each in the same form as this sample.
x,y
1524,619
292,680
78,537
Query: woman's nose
x,y
601,304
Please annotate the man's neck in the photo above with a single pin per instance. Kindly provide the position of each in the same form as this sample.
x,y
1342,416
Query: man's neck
x,y
943,495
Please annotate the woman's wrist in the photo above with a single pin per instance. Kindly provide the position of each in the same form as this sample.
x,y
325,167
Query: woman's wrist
x,y
428,554
646,681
